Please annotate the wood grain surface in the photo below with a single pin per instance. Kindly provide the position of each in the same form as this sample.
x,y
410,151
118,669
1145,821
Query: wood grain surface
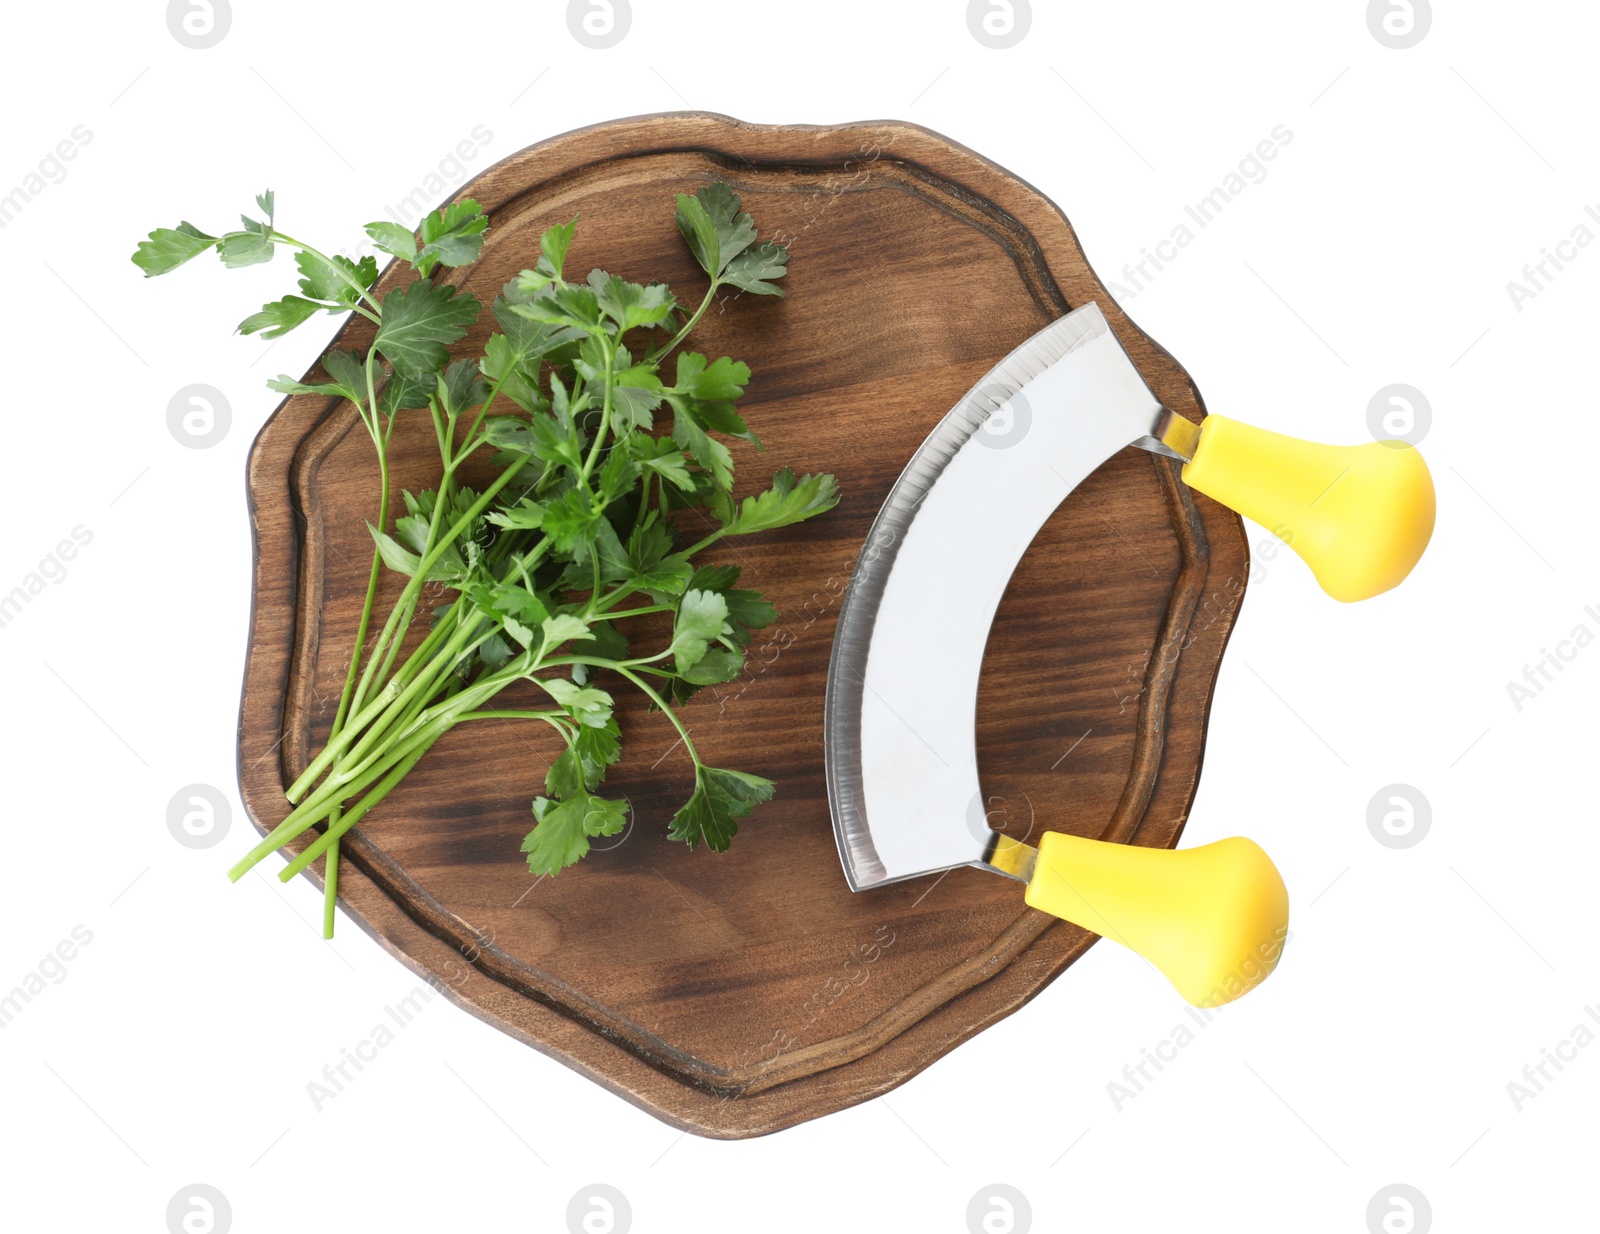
x,y
740,993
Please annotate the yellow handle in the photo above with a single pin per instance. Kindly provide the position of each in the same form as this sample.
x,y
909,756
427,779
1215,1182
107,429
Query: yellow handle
x,y
1213,918
1360,516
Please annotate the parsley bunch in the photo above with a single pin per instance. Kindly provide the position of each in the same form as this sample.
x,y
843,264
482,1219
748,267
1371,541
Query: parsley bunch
x,y
576,534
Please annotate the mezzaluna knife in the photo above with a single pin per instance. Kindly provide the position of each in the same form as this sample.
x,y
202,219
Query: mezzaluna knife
x,y
901,742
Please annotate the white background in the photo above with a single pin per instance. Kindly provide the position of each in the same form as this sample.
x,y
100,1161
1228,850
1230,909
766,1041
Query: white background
x,y
1419,982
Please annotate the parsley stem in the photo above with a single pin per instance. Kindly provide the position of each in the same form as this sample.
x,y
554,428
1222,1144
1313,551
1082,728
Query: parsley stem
x,y
466,520
384,648
662,352
395,762
439,633
622,669
377,793
440,433
429,559
327,797
641,661
605,414
347,699
352,765
442,664
373,578
427,661
330,881
666,710
604,604
423,656
373,718
407,604
417,716
330,876
553,718
705,543
494,392
644,506
636,612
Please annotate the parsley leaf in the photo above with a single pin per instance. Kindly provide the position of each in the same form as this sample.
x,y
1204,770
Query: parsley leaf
x,y
704,395
720,797
747,610
564,828
702,618
555,242
348,382
721,382
751,269
394,239
169,247
582,767
526,515
418,322
629,304
635,394
717,665
560,629
653,566
788,501
574,307
452,236
585,704
345,367
514,356
543,437
337,279
400,559
460,388
553,246
662,456
715,228
617,477
278,318
571,521
517,609
711,454
598,746
404,392
249,247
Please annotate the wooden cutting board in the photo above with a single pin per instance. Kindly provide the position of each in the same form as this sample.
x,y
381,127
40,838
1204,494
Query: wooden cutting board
x,y
740,993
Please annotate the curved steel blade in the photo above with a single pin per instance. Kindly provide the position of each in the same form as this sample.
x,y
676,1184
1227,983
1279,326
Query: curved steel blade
x,y
902,691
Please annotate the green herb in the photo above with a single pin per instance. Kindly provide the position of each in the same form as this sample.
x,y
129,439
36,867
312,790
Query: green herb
x,y
575,537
